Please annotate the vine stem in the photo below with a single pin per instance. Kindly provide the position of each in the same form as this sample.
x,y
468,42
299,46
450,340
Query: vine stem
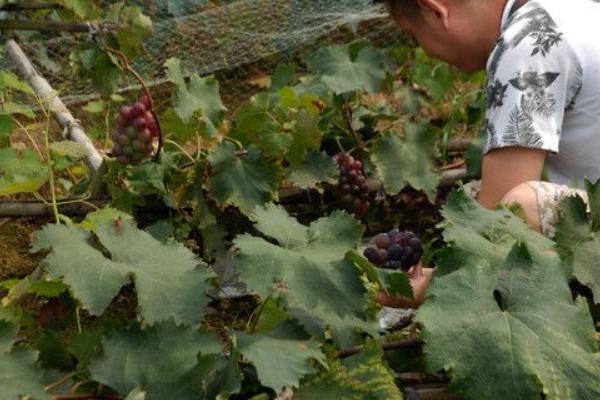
x,y
180,148
51,165
78,318
347,113
127,67
60,381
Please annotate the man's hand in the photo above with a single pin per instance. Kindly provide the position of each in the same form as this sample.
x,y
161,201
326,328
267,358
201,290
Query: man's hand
x,y
420,279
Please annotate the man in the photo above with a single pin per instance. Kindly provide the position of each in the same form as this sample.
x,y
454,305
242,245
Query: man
x,y
542,58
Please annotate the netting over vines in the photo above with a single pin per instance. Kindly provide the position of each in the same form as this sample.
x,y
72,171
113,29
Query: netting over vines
x,y
237,39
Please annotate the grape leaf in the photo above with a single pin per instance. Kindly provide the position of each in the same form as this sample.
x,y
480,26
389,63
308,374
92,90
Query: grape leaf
x,y
342,71
170,281
316,168
282,356
107,214
306,136
24,174
578,239
244,181
307,268
20,376
363,376
499,316
254,124
8,80
165,361
409,161
6,127
83,9
202,94
133,25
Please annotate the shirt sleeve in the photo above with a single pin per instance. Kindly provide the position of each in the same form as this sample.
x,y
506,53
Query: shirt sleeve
x,y
530,75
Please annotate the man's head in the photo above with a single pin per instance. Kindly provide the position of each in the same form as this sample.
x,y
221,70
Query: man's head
x,y
460,32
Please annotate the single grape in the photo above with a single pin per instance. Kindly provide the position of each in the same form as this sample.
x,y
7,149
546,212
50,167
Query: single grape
x,y
145,136
145,100
395,252
382,241
345,188
372,255
139,123
124,115
128,150
137,110
383,256
124,140
394,264
415,243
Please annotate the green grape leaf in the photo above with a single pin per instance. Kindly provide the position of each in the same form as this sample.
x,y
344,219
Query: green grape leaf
x,y
8,80
499,315
360,377
578,238
170,281
307,268
282,356
254,124
21,174
245,180
316,168
393,282
284,75
10,107
94,219
342,71
306,137
202,95
95,107
165,361
20,376
83,9
133,28
6,128
409,161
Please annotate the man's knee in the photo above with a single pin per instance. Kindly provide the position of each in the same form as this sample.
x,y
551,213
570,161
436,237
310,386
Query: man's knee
x,y
526,197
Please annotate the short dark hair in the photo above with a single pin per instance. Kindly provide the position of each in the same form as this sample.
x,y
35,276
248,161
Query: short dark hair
x,y
404,7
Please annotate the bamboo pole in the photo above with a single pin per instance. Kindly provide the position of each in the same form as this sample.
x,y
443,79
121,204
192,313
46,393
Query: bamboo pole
x,y
49,96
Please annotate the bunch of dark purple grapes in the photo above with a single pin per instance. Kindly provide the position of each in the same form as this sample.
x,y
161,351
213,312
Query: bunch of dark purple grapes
x,y
353,186
136,129
395,250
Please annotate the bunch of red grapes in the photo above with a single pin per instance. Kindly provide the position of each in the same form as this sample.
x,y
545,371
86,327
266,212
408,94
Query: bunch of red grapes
x,y
135,132
353,186
395,250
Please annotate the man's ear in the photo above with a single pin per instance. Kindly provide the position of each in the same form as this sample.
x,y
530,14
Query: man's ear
x,y
438,8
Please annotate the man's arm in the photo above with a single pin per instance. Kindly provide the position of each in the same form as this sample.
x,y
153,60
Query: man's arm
x,y
506,168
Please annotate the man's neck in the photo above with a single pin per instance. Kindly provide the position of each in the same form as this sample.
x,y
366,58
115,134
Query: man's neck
x,y
493,29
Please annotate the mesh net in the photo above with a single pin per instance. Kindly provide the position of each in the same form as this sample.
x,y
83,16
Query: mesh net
x,y
238,41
